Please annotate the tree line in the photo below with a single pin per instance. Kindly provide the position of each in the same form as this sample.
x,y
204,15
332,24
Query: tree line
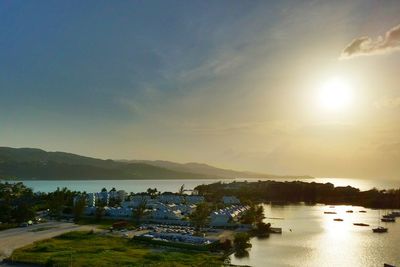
x,y
298,191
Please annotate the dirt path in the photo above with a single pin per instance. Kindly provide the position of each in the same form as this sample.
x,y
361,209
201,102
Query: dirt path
x,y
19,237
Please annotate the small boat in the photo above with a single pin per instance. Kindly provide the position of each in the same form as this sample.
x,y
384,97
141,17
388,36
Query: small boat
x,y
388,220
361,224
388,216
379,229
395,213
338,220
363,211
349,211
388,265
329,212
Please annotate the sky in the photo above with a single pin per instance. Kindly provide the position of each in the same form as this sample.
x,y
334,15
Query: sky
x,y
235,84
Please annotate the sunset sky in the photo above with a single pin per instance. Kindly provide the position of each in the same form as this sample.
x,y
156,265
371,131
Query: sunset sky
x,y
283,87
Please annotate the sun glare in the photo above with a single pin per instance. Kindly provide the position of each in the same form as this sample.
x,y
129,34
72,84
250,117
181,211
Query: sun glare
x,y
335,95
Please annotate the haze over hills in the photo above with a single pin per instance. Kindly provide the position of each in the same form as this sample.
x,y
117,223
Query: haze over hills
x,y
32,163
202,168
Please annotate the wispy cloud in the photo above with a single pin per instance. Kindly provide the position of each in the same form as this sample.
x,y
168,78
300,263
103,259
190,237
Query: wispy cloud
x,y
365,45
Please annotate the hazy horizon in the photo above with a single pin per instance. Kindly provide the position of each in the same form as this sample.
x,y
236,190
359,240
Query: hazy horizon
x,y
280,87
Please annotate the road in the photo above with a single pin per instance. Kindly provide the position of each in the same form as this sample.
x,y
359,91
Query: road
x,y
19,237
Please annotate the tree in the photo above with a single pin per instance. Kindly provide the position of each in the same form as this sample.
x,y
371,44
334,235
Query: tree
x,y
100,212
200,217
241,241
56,202
262,229
79,208
152,192
181,190
140,210
254,215
259,214
23,212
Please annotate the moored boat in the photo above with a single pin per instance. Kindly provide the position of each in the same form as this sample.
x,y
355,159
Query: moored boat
x,y
361,224
329,212
395,213
379,229
338,220
388,219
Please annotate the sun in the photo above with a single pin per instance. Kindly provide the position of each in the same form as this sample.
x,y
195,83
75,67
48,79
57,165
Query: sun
x,y
335,94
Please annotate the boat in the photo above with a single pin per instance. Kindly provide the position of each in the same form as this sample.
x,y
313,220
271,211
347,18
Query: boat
x,y
329,212
395,213
388,219
338,220
349,211
379,229
388,216
361,224
363,211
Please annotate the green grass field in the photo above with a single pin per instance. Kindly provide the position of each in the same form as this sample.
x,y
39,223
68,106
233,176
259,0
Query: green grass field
x,y
91,249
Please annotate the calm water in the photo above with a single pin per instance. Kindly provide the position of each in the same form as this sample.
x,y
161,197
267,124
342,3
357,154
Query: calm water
x,y
317,240
174,185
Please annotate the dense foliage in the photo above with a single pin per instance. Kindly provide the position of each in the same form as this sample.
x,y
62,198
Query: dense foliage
x,y
292,192
16,203
200,217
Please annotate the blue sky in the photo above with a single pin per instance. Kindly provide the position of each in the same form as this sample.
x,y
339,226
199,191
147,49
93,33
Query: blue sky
x,y
223,82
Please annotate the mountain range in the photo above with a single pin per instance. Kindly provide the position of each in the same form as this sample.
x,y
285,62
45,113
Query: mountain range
x,y
32,163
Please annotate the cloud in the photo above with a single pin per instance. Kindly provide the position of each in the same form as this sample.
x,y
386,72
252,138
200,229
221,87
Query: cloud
x,y
388,102
365,46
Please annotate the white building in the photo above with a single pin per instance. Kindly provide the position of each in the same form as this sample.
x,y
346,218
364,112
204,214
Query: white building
x,y
227,217
166,214
137,200
103,197
118,212
183,208
91,200
170,199
119,195
192,199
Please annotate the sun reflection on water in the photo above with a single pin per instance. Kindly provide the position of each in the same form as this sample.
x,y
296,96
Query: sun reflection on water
x,y
312,238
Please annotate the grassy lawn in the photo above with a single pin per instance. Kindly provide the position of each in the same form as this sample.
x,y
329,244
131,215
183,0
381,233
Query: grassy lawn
x,y
102,224
90,249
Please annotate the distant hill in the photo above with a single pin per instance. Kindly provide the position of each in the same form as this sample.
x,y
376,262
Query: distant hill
x,y
202,168
29,163
32,163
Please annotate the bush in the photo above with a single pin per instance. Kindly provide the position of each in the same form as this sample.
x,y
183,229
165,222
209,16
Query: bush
x,y
242,241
